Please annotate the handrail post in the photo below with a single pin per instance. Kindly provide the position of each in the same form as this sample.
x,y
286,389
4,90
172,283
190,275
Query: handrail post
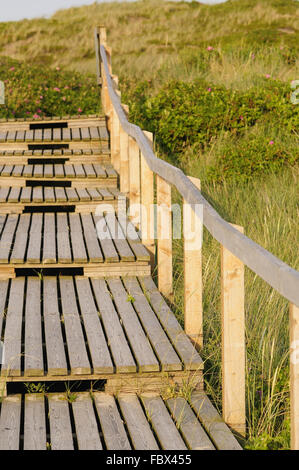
x,y
233,340
134,181
124,157
294,375
147,204
193,272
164,237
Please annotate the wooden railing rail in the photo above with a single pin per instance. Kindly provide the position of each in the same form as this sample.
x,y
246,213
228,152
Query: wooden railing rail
x,y
133,156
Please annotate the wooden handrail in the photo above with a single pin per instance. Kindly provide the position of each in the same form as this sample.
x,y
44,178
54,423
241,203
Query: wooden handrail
x,y
132,154
275,272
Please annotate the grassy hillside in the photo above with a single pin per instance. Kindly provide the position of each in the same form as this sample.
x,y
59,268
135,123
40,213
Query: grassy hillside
x,y
170,39
213,84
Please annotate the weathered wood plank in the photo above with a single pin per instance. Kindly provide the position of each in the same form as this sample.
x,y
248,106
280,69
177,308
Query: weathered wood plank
x,y
21,238
114,433
143,352
13,329
218,431
10,422
49,242
7,237
87,432
35,437
101,360
193,433
168,358
180,341
165,429
63,240
34,364
139,429
35,239
60,423
56,357
77,241
75,340
121,353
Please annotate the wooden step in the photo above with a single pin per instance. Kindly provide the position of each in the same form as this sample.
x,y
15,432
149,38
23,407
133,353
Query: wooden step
x,y
26,157
72,328
71,121
52,135
98,421
78,174
96,243
16,200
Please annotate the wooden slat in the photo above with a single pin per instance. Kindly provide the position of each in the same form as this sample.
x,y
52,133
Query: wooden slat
x,y
35,436
49,245
180,341
85,133
49,195
3,295
59,170
10,423
56,358
139,343
63,241
26,194
168,358
14,195
77,241
112,426
4,194
218,431
13,329
33,334
98,348
120,350
119,239
60,423
49,171
87,433
193,433
165,429
35,239
57,135
139,429
107,245
7,237
74,334
21,238
60,195
92,245
37,194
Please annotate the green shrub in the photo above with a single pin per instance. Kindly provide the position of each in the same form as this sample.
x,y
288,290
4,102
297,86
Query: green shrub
x,y
35,92
185,115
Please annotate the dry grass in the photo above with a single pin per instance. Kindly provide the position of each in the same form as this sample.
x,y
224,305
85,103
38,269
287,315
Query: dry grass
x,y
154,39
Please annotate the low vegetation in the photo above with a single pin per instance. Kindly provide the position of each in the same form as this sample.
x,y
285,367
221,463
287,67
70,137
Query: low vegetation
x,y
213,84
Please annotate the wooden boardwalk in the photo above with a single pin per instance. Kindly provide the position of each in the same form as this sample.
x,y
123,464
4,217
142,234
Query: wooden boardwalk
x,y
78,303
104,321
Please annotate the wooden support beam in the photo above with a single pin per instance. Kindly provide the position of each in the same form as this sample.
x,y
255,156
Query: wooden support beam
x,y
294,375
233,340
147,205
164,237
192,228
124,159
134,181
115,141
